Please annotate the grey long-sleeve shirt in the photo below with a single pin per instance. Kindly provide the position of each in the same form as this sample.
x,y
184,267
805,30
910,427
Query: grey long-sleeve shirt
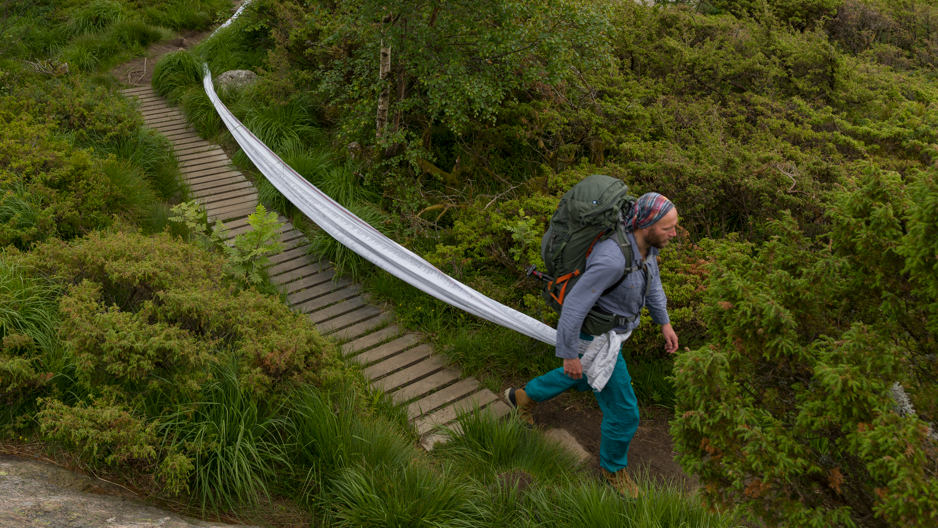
x,y
604,267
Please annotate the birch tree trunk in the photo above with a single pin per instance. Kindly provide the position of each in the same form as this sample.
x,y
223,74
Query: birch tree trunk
x,y
384,99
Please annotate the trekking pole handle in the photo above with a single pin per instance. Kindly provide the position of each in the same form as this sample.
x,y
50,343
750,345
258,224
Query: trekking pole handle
x,y
531,271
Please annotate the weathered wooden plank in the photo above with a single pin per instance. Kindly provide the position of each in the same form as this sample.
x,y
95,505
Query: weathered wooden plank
x,y
442,397
298,273
309,294
232,212
428,422
219,206
182,137
364,343
226,197
199,173
397,362
137,90
236,224
293,238
384,351
309,281
215,176
154,104
154,116
164,118
431,383
201,158
206,164
169,127
287,255
197,150
335,310
196,142
146,97
362,328
327,300
349,319
411,374
191,154
298,262
212,185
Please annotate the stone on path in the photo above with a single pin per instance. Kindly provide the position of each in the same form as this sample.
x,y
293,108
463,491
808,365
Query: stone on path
x,y
235,79
38,494
564,438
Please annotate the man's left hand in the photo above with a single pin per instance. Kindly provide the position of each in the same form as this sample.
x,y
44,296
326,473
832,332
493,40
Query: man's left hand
x,y
670,338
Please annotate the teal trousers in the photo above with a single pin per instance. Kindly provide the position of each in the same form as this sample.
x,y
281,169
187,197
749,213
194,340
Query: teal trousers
x,y
617,401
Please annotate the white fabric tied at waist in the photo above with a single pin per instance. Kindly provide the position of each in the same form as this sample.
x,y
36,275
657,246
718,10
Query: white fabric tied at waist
x,y
600,356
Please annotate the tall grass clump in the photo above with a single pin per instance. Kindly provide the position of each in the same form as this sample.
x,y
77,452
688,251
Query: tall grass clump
x,y
488,445
235,443
185,14
27,305
330,435
175,73
596,504
229,49
133,194
277,123
153,153
201,113
412,496
94,17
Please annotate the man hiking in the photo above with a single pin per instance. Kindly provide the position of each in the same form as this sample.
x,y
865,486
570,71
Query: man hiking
x,y
649,226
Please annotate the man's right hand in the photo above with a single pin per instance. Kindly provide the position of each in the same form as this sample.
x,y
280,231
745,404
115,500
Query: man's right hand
x,y
573,368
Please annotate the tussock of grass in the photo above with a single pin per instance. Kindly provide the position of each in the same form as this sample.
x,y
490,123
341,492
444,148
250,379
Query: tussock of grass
x,y
404,497
331,435
237,443
152,153
229,50
27,305
201,113
275,123
488,446
186,14
175,73
94,17
133,193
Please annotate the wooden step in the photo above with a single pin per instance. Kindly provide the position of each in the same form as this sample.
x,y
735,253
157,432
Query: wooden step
x,y
427,423
442,397
432,383
371,340
411,374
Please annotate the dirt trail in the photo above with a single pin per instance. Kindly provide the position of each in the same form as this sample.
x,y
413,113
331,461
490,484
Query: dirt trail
x,y
651,451
139,71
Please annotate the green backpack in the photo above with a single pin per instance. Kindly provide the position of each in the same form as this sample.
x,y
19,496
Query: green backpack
x,y
588,213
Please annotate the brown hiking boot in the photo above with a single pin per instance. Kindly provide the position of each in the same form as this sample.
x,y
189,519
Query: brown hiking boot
x,y
518,399
621,481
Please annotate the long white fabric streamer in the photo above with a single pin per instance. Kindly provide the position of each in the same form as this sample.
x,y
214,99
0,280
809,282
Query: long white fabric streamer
x,y
365,240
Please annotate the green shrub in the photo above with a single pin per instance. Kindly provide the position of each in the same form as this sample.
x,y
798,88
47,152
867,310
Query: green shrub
x,y
147,313
789,411
104,431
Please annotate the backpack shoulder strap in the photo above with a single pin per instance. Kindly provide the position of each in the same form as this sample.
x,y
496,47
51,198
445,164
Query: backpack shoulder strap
x,y
626,247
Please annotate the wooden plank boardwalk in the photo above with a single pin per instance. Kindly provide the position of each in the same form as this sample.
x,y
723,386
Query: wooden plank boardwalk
x,y
394,361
